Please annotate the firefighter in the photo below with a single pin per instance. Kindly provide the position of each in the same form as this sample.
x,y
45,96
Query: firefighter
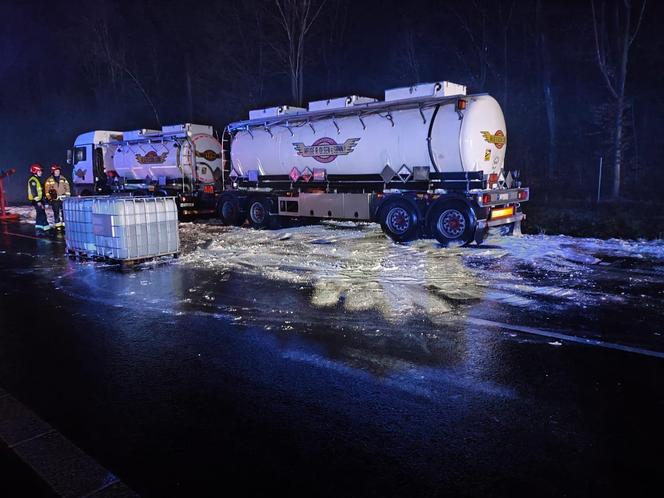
x,y
56,189
36,196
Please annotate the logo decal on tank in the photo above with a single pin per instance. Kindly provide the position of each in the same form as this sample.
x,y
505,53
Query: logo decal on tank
x,y
209,155
152,158
498,139
325,150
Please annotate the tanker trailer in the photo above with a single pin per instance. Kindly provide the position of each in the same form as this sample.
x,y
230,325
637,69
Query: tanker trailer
x,y
428,161
179,160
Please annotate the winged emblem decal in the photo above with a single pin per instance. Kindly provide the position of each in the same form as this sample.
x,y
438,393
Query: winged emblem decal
x,y
325,150
498,139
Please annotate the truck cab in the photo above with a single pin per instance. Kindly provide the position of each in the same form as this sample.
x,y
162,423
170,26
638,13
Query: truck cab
x,y
182,160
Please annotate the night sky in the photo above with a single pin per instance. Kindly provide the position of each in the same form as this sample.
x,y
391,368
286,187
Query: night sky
x,y
70,67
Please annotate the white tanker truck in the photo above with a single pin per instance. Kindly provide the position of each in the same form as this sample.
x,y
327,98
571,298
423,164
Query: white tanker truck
x,y
428,161
182,160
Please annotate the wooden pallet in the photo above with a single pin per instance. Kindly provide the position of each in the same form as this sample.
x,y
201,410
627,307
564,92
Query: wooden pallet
x,y
124,263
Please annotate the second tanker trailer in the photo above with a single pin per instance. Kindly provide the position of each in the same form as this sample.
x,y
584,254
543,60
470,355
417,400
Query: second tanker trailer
x,y
428,161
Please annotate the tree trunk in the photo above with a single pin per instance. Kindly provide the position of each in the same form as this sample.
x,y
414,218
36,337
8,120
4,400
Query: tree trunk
x,y
190,96
549,103
551,122
300,75
617,164
620,103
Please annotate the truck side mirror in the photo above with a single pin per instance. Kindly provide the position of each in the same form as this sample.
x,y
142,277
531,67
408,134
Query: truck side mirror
x,y
70,156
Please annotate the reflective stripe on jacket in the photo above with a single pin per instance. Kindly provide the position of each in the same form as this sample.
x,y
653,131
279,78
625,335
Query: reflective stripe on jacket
x,y
60,188
35,192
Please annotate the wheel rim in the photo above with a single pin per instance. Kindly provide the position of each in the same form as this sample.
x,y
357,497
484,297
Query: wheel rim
x,y
398,220
227,210
257,213
452,224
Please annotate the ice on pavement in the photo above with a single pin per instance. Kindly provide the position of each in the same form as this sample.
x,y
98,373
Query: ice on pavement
x,y
350,264
355,266
28,215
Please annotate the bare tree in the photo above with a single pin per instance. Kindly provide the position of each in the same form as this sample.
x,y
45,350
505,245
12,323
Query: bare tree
x,y
242,50
473,18
296,17
12,37
547,90
107,60
505,18
408,63
613,41
331,50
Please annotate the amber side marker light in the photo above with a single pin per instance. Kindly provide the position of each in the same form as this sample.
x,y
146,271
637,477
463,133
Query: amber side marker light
x,y
502,212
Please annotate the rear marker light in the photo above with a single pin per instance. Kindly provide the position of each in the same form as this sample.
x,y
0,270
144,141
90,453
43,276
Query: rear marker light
x,y
486,199
523,195
502,213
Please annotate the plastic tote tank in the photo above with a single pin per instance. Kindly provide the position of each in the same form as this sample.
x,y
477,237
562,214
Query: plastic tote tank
x,y
129,228
77,215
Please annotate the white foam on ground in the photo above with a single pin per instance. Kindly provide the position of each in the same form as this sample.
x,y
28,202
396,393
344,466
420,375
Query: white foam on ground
x,y
28,215
350,264
356,266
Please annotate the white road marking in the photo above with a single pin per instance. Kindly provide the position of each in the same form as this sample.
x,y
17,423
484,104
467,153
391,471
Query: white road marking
x,y
567,337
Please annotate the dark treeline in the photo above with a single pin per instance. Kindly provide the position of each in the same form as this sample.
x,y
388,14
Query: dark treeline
x,y
577,80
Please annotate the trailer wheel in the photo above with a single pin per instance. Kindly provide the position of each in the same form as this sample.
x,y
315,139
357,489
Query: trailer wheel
x,y
228,209
259,214
399,220
451,223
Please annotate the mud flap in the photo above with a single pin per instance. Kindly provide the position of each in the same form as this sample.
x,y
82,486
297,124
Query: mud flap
x,y
516,232
481,231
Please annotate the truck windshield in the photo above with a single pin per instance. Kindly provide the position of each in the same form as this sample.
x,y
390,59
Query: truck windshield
x,y
80,154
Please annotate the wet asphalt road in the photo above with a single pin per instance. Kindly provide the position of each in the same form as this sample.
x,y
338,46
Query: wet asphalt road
x,y
185,380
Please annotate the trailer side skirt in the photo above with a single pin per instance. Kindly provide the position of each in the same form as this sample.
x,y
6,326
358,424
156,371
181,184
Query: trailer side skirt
x,y
320,205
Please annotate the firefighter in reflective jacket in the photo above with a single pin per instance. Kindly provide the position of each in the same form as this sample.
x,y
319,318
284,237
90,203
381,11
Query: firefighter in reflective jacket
x,y
36,196
56,189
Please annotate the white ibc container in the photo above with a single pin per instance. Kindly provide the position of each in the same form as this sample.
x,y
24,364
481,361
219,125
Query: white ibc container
x,y
127,228
77,215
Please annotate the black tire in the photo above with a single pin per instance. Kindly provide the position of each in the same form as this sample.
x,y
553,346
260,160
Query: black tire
x,y
228,209
399,219
451,223
259,214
